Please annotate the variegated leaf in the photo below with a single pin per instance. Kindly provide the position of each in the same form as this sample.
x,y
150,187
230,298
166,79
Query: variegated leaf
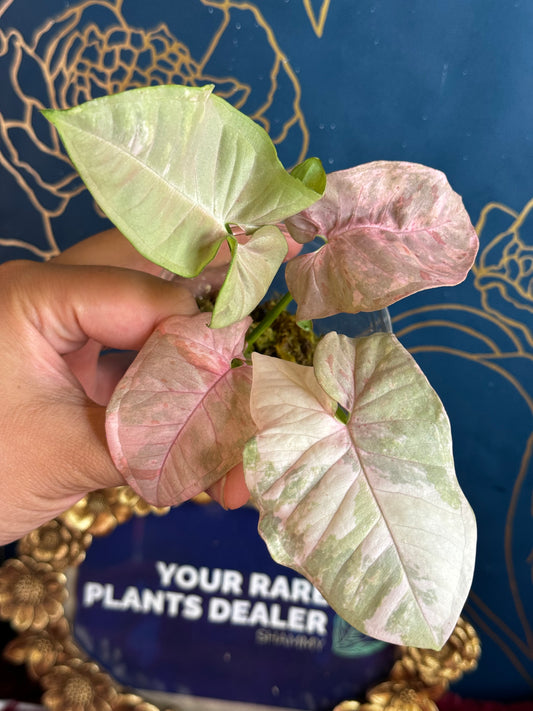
x,y
370,511
253,267
172,165
391,229
179,418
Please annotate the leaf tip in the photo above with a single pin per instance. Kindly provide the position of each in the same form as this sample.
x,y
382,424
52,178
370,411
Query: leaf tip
x,y
50,114
312,174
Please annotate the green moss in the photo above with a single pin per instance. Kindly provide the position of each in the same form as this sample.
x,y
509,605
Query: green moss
x,y
285,338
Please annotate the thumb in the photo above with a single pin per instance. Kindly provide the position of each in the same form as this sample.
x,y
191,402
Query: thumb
x,y
52,437
114,306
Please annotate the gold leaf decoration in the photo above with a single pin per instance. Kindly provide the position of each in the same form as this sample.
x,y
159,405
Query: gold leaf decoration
x,y
125,495
460,654
56,544
78,686
398,696
31,593
41,651
98,513
132,702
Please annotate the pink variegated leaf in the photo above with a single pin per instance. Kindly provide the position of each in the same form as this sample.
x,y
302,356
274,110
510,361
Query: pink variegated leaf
x,y
391,229
366,505
179,418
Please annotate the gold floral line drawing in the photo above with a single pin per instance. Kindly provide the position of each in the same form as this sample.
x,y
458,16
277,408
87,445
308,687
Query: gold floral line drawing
x,y
89,50
504,270
517,645
318,20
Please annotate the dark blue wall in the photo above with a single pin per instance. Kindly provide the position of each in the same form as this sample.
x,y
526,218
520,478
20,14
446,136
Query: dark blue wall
x,y
448,84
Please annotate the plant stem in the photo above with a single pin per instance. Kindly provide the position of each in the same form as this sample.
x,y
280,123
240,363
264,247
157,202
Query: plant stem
x,y
267,321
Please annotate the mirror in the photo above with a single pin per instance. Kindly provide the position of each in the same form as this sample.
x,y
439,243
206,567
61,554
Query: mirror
x,y
34,597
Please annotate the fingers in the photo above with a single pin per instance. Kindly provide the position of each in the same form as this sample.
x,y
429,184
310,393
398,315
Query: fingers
x,y
52,437
99,374
108,248
231,491
58,453
69,304
55,315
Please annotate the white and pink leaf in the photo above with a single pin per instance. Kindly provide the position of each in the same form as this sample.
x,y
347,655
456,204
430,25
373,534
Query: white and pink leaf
x,y
179,418
391,229
370,511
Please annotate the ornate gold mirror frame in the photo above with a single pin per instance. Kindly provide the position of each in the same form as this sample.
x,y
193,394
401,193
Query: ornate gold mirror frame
x,y
33,595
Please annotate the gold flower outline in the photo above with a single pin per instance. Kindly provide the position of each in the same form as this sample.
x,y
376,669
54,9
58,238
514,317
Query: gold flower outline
x,y
91,49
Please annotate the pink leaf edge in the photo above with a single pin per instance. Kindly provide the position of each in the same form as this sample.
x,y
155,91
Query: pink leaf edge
x,y
179,418
391,229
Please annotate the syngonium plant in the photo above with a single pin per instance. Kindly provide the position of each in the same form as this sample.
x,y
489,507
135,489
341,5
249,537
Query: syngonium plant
x,y
349,462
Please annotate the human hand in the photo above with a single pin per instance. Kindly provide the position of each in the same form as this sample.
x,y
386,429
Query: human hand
x,y
54,382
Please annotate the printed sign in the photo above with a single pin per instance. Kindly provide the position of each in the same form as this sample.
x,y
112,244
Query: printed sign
x,y
191,603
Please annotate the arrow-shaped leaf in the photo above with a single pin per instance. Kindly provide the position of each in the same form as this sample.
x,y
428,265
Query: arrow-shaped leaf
x,y
172,165
179,418
370,511
391,229
253,267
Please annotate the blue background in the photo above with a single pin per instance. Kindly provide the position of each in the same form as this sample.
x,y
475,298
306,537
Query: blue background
x,y
447,84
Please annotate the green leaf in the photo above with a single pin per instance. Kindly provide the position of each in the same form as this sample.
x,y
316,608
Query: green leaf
x,y
253,266
369,510
348,642
171,166
311,173
305,325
